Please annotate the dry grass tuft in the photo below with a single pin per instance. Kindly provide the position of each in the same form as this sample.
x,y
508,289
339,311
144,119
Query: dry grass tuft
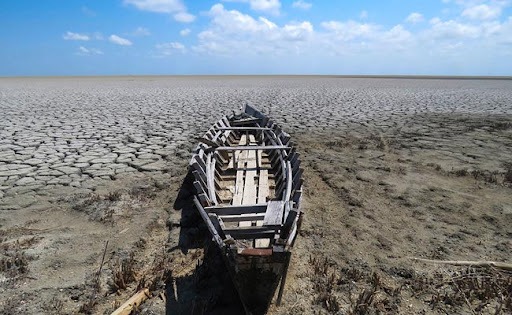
x,y
123,272
324,281
13,260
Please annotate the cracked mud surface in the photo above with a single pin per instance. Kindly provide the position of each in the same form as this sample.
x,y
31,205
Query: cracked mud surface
x,y
401,167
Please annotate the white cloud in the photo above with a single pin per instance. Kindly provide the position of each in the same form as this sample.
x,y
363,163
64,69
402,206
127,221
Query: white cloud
x,y
267,6
232,32
140,31
175,7
297,31
350,30
171,48
482,12
119,40
301,4
83,51
185,32
414,18
75,36
453,30
184,17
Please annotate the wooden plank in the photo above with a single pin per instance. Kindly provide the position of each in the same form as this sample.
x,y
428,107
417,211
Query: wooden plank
x,y
289,181
239,183
288,224
231,210
250,191
242,217
204,199
208,222
263,190
198,174
251,230
249,196
274,213
208,142
253,148
245,121
244,128
210,166
132,303
252,235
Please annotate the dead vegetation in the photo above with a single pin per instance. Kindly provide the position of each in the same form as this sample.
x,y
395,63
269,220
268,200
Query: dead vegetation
x,y
14,261
359,290
123,272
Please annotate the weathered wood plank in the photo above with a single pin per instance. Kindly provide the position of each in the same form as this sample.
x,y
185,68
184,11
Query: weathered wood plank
x,y
288,224
208,222
239,183
242,217
244,128
250,191
263,190
208,142
274,213
253,148
245,121
240,209
251,230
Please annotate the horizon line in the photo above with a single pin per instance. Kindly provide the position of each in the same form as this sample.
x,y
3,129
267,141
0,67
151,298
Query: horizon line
x,y
363,76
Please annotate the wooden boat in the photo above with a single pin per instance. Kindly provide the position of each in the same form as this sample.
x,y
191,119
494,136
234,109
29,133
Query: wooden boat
x,y
249,189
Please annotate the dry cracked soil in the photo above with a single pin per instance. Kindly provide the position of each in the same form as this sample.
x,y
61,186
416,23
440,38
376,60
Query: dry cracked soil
x,y
95,198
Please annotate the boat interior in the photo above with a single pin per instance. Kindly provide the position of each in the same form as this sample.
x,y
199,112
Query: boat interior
x,y
248,180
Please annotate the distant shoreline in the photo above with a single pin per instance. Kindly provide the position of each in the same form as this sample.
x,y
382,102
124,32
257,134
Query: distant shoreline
x,y
428,77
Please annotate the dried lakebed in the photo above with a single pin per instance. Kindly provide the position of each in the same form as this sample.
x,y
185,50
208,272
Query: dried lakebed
x,y
394,168
70,131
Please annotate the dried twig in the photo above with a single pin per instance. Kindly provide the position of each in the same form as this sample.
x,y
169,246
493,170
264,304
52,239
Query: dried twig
x,y
481,264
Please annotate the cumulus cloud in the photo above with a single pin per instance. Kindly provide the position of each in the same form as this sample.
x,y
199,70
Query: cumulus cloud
x,y
119,40
301,4
452,30
414,18
297,31
482,12
175,7
232,31
267,6
184,17
83,51
350,30
171,48
75,36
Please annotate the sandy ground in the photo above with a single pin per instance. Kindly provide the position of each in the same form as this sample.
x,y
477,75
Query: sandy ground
x,y
94,199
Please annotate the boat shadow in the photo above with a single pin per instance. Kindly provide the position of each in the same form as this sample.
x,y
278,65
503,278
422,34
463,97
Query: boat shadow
x,y
209,289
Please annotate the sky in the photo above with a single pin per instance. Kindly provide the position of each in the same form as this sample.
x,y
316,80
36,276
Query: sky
x,y
168,37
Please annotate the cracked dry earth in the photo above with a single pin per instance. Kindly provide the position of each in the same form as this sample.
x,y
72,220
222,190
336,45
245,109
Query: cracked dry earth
x,y
393,167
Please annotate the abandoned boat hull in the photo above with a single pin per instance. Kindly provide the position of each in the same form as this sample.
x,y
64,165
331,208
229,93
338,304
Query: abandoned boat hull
x,y
248,191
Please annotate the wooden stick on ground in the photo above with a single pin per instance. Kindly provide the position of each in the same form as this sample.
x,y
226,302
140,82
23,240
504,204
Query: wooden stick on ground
x,y
133,302
488,264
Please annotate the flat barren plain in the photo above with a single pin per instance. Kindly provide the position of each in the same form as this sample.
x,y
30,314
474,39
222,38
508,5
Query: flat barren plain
x,y
95,198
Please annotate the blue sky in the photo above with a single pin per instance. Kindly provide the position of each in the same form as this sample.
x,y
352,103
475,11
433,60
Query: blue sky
x,y
130,37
